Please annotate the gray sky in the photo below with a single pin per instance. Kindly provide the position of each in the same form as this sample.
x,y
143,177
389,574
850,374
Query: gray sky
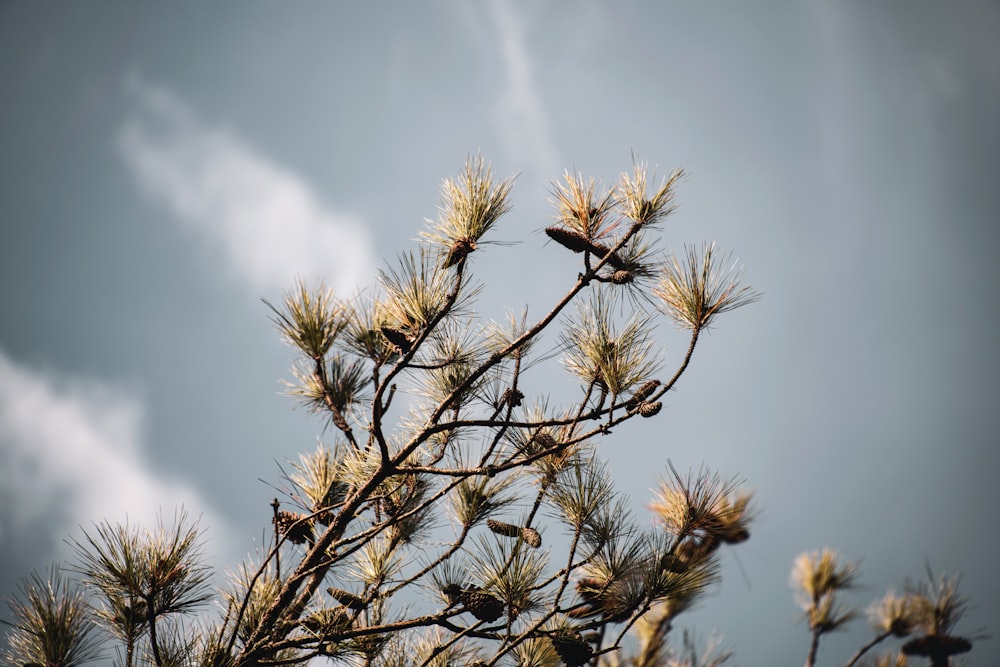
x,y
163,167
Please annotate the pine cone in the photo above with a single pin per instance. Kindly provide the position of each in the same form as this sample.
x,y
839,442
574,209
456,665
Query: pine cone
x,y
482,605
531,537
512,397
568,238
622,277
937,646
734,536
346,598
642,393
571,648
675,564
397,339
577,242
296,527
650,409
502,528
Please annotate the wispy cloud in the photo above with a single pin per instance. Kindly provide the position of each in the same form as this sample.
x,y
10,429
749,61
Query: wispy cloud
x,y
72,449
271,226
522,118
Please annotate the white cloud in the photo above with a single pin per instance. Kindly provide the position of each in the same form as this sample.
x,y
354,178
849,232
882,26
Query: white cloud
x,y
523,118
72,449
271,226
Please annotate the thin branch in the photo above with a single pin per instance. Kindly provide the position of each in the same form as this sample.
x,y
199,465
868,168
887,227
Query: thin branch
x,y
877,639
813,648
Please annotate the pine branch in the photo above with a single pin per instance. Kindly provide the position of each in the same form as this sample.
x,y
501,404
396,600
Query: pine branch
x,y
875,641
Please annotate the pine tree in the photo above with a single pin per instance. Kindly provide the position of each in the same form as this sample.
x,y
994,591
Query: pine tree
x,y
417,537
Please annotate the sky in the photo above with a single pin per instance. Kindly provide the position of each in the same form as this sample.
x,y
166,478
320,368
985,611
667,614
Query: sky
x,y
164,167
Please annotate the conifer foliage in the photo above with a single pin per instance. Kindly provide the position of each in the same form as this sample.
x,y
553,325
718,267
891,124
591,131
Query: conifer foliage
x,y
456,517
925,614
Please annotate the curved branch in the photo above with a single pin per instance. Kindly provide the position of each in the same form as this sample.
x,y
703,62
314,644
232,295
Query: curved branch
x,y
878,639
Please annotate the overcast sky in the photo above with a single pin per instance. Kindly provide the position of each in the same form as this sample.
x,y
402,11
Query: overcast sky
x,y
163,167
